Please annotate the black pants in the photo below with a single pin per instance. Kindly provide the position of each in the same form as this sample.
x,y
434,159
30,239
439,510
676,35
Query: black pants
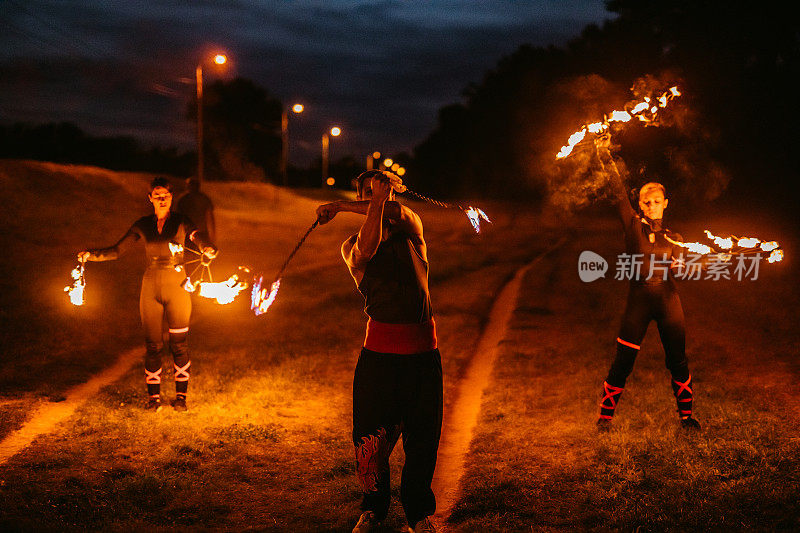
x,y
163,297
646,302
397,395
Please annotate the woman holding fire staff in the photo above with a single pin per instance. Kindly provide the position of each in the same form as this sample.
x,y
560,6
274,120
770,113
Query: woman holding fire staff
x,y
397,387
162,294
651,296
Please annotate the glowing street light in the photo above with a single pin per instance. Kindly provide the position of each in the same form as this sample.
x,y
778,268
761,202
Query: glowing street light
x,y
284,163
335,132
387,163
374,156
218,59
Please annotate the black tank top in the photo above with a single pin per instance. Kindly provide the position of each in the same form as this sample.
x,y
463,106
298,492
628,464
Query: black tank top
x,y
395,283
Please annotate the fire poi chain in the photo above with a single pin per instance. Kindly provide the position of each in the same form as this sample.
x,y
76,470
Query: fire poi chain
x,y
733,246
223,292
261,297
647,111
75,291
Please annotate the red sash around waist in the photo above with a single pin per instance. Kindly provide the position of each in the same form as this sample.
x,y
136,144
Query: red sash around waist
x,y
400,338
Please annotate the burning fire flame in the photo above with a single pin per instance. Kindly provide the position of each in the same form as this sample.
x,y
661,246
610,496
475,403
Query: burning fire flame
x,y
224,291
261,298
75,291
175,248
775,256
646,111
475,215
735,245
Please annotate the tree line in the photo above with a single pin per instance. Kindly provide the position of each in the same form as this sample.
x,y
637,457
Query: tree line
x,y
732,130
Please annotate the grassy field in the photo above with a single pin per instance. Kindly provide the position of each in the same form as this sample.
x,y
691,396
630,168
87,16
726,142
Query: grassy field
x,y
537,463
266,442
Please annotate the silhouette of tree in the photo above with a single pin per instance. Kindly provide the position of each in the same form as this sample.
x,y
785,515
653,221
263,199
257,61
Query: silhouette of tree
x,y
66,143
241,131
734,63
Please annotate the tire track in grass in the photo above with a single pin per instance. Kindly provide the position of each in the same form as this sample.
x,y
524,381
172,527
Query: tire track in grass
x,y
459,423
45,418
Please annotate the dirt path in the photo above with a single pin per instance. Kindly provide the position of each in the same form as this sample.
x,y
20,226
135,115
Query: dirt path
x,y
460,421
49,415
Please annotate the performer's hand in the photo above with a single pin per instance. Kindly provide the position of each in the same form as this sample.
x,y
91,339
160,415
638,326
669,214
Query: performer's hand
x,y
395,181
210,252
602,146
326,212
84,256
381,188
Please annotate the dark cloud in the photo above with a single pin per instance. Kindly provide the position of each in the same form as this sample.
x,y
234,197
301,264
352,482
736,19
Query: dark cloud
x,y
379,68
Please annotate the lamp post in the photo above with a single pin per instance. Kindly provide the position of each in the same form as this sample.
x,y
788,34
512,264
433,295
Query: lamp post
x,y
284,167
219,59
371,158
335,132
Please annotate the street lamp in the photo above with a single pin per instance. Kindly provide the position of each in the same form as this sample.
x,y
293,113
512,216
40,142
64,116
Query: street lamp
x,y
296,109
371,158
219,59
335,132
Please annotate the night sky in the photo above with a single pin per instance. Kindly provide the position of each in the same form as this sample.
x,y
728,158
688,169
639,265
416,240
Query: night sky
x,y
380,69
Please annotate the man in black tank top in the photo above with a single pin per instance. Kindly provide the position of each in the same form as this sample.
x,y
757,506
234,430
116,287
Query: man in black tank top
x,y
397,387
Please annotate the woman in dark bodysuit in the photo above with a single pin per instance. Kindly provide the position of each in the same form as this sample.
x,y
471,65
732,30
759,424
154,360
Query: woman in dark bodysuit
x,y
652,296
162,294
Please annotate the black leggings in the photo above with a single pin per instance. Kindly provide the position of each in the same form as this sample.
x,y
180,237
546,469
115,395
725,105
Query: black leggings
x,y
163,297
393,395
646,302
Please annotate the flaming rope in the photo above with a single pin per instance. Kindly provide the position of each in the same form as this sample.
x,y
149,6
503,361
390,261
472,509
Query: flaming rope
x,y
733,246
262,298
646,111
474,214
75,291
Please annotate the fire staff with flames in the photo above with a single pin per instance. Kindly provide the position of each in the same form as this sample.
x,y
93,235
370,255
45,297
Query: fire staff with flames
x,y
397,388
653,298
162,294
